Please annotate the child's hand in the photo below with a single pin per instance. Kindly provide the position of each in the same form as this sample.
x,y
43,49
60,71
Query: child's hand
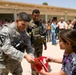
x,y
49,59
42,72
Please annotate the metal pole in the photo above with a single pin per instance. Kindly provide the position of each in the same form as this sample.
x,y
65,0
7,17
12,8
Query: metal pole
x,y
46,17
15,15
65,15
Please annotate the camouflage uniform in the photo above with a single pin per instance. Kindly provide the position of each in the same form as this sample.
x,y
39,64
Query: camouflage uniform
x,y
12,46
37,38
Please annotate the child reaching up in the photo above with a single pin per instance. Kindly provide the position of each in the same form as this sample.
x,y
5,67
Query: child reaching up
x,y
67,41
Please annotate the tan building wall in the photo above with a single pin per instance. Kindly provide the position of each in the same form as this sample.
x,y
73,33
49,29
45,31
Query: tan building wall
x,y
47,12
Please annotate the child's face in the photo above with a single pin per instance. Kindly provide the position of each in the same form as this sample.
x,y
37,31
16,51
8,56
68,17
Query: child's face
x,y
61,44
68,22
65,46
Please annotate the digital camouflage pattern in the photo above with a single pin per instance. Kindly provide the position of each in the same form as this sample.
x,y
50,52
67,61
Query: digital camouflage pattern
x,y
12,46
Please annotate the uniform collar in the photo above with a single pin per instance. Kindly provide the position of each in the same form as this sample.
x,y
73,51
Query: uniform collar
x,y
32,21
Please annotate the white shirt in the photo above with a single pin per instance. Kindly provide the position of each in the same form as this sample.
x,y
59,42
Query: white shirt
x,y
62,25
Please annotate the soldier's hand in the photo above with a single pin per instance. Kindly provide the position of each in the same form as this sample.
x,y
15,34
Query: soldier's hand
x,y
43,72
45,47
28,58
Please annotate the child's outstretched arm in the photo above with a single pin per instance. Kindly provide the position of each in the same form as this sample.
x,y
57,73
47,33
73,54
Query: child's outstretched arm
x,y
56,60
42,72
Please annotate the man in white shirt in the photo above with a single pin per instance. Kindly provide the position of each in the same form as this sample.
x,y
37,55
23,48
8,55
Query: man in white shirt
x,y
62,24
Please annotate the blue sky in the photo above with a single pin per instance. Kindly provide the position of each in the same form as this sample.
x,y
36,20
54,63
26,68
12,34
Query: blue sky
x,y
58,3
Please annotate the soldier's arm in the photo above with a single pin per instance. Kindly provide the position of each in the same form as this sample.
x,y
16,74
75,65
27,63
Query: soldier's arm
x,y
7,48
29,48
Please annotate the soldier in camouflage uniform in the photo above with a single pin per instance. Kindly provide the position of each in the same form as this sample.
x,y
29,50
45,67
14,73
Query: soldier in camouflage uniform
x,y
37,35
13,41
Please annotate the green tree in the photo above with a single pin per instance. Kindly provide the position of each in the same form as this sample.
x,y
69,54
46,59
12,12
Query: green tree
x,y
45,3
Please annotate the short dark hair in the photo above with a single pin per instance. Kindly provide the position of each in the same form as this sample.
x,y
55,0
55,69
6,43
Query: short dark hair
x,y
23,16
69,20
35,11
53,20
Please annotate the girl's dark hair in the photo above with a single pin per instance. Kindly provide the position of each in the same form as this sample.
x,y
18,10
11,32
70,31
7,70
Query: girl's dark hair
x,y
23,16
69,35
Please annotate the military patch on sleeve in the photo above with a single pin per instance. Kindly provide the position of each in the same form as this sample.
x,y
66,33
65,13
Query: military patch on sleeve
x,y
2,39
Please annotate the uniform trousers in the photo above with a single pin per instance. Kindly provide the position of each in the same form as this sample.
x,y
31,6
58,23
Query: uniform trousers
x,y
12,66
